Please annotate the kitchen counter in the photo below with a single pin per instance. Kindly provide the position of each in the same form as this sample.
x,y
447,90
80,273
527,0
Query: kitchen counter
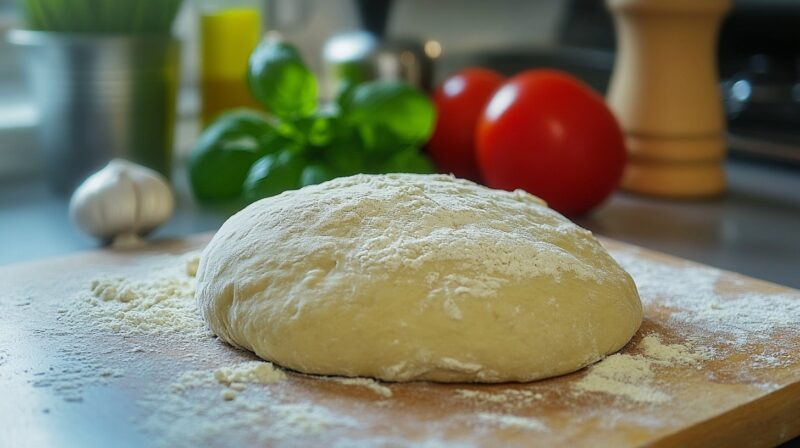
x,y
754,229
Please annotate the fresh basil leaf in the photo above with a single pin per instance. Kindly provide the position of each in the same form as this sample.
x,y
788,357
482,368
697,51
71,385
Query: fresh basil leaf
x,y
219,162
389,115
273,174
280,80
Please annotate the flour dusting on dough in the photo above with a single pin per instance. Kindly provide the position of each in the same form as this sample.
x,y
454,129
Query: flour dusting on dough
x,y
447,280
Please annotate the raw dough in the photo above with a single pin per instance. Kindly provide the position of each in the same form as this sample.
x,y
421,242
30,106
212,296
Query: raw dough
x,y
412,277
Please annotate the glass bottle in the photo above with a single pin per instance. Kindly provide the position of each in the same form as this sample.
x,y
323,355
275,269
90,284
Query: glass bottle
x,y
229,31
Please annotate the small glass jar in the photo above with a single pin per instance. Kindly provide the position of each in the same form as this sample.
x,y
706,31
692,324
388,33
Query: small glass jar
x,y
229,31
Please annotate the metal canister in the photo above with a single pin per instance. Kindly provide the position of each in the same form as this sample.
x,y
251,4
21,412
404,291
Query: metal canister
x,y
100,98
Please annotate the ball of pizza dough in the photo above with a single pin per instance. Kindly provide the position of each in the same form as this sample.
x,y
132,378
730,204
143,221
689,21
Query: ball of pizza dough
x,y
407,277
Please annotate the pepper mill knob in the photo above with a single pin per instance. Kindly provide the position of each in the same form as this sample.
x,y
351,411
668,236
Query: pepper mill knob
x,y
665,93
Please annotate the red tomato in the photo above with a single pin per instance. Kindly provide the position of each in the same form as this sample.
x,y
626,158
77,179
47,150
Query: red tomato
x,y
553,136
459,102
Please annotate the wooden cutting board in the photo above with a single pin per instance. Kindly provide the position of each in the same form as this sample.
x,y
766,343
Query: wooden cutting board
x,y
69,382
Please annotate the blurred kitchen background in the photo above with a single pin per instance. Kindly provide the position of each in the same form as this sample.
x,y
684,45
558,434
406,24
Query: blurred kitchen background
x,y
752,229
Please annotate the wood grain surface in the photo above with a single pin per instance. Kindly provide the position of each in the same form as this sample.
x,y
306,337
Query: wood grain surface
x,y
68,383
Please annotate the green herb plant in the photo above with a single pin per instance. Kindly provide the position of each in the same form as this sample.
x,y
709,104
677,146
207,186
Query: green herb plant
x,y
373,127
101,16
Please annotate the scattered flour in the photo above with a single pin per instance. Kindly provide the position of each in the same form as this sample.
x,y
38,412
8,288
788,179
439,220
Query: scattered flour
x,y
74,367
304,419
510,398
747,317
774,358
691,293
369,383
162,306
79,372
229,410
159,306
623,375
512,421
203,418
672,354
632,376
233,378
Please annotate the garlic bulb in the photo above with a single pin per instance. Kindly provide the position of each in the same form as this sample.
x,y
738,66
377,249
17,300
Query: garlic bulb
x,y
121,202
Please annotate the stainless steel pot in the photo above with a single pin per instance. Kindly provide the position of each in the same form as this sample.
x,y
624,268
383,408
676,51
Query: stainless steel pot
x,y
99,98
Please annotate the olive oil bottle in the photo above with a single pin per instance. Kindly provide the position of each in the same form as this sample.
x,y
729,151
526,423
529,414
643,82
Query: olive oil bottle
x,y
229,31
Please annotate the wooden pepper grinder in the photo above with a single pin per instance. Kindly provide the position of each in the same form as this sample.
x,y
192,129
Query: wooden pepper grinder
x,y
665,93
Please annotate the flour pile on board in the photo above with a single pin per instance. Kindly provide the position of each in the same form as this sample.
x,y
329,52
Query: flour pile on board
x,y
158,306
632,375
672,354
253,372
234,378
624,375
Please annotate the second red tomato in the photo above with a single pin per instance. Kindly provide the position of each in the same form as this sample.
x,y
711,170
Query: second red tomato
x,y
549,134
459,102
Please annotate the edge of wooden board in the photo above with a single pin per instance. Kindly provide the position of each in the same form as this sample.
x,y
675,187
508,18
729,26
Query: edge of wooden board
x,y
777,423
